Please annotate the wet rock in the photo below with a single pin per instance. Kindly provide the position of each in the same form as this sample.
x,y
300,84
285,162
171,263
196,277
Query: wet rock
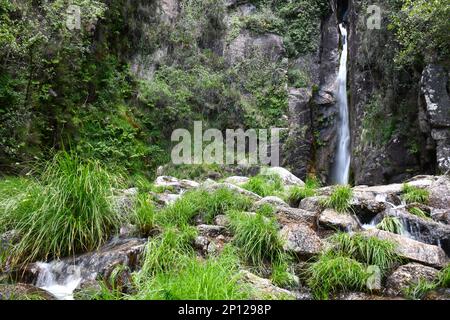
x,y
237,180
287,177
313,204
424,230
407,274
264,289
286,215
210,230
89,266
23,291
301,240
413,250
340,221
271,200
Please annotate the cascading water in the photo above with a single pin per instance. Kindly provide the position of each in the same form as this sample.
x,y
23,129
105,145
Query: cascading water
x,y
59,279
342,159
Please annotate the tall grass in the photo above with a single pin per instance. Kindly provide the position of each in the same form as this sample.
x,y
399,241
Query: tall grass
x,y
339,199
257,237
411,194
391,224
330,274
69,211
201,202
419,289
365,249
419,213
216,278
144,214
265,185
296,193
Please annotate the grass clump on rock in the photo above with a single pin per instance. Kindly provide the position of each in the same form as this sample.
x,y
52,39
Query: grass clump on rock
x,y
67,212
418,212
340,199
265,185
411,194
297,193
391,224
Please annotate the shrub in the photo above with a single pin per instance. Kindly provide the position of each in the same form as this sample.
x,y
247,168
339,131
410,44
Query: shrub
x,y
67,212
257,237
339,199
391,224
368,250
334,273
411,194
264,185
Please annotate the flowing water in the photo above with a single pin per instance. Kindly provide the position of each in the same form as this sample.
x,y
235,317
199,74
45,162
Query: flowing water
x,y
58,279
342,159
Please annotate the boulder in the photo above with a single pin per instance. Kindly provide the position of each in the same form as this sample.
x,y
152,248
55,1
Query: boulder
x,y
237,180
287,177
286,215
23,291
270,200
300,240
424,230
440,192
175,184
441,215
210,230
313,204
340,221
407,274
165,199
221,220
411,249
438,294
264,289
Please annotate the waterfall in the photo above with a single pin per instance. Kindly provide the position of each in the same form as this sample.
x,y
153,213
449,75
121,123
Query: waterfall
x,y
59,279
342,158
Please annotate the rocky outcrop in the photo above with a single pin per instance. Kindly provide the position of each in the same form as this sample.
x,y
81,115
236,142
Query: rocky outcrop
x,y
413,250
434,104
300,240
407,275
329,218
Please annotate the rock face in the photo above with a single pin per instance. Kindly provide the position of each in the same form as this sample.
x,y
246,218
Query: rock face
x,y
413,250
407,274
338,221
434,103
301,240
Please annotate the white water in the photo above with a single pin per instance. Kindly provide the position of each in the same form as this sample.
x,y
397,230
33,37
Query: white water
x,y
59,280
342,158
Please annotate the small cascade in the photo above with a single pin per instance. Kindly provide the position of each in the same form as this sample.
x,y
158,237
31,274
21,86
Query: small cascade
x,y
59,279
341,170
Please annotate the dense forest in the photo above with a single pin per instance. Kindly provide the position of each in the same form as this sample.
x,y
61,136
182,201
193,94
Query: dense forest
x,y
93,207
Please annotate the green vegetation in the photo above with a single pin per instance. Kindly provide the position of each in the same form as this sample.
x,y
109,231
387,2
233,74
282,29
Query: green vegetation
x,y
391,224
419,289
444,277
411,194
266,210
331,274
256,237
265,185
68,211
419,213
296,193
145,214
339,199
368,250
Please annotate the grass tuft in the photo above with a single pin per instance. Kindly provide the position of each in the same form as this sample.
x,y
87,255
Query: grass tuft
x,y
297,194
69,211
419,289
411,194
418,212
265,185
339,199
391,224
330,274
